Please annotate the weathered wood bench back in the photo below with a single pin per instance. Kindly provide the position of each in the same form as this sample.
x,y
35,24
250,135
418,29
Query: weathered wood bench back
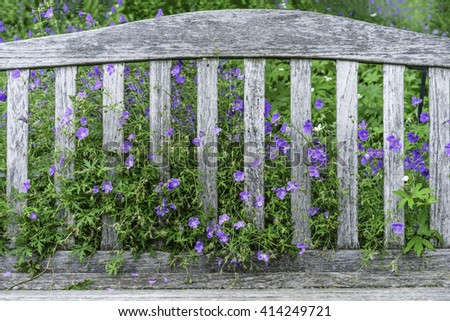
x,y
253,35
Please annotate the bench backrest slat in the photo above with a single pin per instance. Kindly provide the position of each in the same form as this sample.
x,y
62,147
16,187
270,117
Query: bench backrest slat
x,y
17,141
254,136
300,113
65,87
347,167
159,111
393,162
113,107
207,120
439,102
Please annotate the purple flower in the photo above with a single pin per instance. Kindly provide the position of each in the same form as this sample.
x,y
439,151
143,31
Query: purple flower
x,y
176,70
65,8
129,162
424,118
363,134
119,196
292,186
194,222
313,211
83,121
166,280
319,103
95,189
199,246
82,133
217,130
285,129
263,256
131,137
33,216
151,282
239,224
122,19
255,163
416,101
275,117
245,196
394,143
134,274
259,201
223,218
126,146
313,171
308,126
267,108
7,273
197,141
281,193
267,127
239,176
326,214
223,237
89,20
110,69
161,210
52,170
107,187
170,132
412,137
397,227
447,149
16,74
302,247
159,13
48,14
362,124
26,186
173,183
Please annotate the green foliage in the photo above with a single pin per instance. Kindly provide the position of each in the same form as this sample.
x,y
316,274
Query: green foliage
x,y
138,190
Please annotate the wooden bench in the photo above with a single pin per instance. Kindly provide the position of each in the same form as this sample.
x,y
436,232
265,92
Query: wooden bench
x,y
252,35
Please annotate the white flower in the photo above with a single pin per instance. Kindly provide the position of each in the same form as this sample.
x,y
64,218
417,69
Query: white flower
x,y
405,179
360,96
318,128
327,78
312,89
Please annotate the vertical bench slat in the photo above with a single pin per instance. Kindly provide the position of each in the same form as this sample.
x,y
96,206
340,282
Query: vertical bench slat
x,y
65,86
347,168
113,107
393,85
17,142
207,117
254,136
159,112
300,113
439,160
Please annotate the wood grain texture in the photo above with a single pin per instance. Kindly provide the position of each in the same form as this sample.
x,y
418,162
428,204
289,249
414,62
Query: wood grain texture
x,y
260,33
315,294
393,114
311,261
16,143
347,167
65,87
207,120
254,102
300,113
439,93
160,119
259,281
113,107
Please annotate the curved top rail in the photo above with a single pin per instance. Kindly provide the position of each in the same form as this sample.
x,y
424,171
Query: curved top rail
x,y
231,34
